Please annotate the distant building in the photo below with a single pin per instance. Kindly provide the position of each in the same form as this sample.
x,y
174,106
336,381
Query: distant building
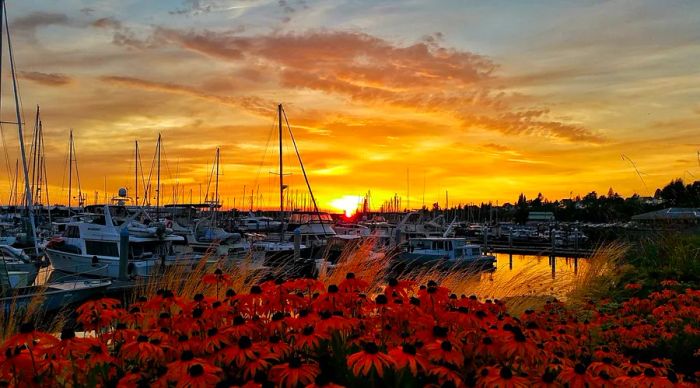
x,y
651,200
671,215
536,217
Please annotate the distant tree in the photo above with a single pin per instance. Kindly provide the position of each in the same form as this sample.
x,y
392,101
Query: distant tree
x,y
521,210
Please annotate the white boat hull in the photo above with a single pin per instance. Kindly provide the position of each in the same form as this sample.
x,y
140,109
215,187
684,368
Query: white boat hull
x,y
106,266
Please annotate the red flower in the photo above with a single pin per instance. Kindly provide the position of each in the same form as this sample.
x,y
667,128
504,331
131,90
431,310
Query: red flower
x,y
578,377
308,338
294,373
237,354
362,362
444,351
504,378
405,357
142,350
200,375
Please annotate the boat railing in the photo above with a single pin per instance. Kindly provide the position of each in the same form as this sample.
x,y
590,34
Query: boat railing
x,y
91,274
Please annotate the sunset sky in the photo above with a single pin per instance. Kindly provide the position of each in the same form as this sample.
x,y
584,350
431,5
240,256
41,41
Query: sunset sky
x,y
485,99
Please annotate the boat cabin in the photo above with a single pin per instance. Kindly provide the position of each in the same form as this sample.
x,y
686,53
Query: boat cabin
x,y
444,248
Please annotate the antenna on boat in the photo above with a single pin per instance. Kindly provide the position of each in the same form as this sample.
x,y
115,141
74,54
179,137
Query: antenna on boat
x,y
625,157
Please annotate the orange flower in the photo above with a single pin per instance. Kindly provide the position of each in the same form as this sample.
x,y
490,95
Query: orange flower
x,y
142,350
504,378
238,354
405,357
308,338
200,375
294,373
577,377
443,351
370,356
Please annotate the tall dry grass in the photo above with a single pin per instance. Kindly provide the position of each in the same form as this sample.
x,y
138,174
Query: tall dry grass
x,y
186,279
606,267
17,309
525,287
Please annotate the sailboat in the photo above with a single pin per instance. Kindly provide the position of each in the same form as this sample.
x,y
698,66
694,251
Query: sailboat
x,y
13,295
279,251
205,236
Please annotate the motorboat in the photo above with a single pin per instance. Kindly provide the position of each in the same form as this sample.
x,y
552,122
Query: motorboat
x,y
445,251
89,244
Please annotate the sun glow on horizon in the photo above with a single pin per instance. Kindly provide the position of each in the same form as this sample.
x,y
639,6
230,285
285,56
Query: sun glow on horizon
x,y
347,203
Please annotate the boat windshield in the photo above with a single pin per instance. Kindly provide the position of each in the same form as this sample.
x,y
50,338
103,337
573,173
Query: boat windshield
x,y
310,218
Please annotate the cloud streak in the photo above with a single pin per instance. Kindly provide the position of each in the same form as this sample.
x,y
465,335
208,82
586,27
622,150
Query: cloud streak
x,y
48,79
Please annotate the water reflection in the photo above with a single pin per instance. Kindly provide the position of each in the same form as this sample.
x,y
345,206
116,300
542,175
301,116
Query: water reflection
x,y
517,275
513,275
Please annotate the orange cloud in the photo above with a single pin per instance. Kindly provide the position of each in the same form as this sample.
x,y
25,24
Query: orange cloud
x,y
369,70
49,79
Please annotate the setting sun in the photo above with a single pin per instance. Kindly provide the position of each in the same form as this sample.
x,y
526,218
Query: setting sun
x,y
347,203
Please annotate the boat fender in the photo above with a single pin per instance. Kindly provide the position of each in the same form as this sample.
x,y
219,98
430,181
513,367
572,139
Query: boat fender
x,y
95,260
130,268
168,223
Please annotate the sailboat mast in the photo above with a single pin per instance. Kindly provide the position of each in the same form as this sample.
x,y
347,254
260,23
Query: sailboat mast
x,y
216,189
158,183
279,119
136,172
70,168
27,189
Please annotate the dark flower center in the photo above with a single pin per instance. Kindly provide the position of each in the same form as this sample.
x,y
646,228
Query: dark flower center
x,y
198,298
440,331
393,282
548,377
371,348
487,341
332,289
244,342
278,316
295,363
506,373
350,275
212,332
196,370
142,338
409,349
308,330
218,271
256,290
648,372
580,369
187,355
446,346
381,299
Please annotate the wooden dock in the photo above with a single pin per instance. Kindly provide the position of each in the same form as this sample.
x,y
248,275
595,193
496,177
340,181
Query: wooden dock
x,y
539,250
